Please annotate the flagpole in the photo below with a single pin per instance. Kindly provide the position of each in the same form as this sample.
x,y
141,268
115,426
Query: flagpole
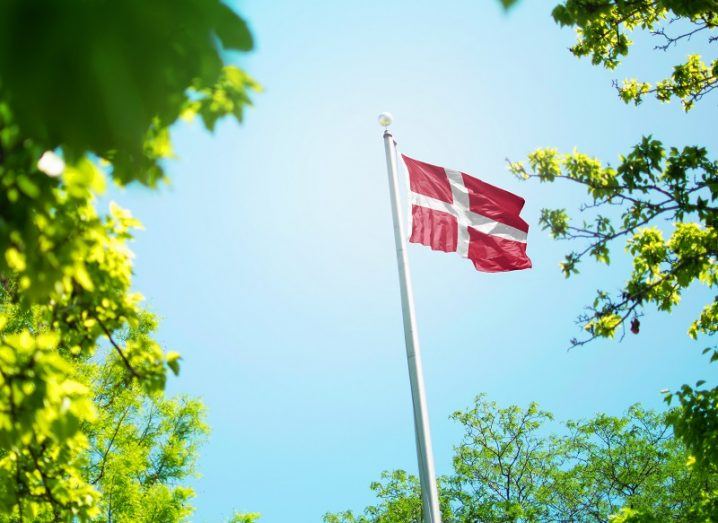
x,y
427,475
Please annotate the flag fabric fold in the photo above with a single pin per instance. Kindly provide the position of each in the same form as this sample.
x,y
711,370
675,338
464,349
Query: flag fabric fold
x,y
454,212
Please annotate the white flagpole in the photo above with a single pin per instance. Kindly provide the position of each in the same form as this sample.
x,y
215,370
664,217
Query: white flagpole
x,y
427,475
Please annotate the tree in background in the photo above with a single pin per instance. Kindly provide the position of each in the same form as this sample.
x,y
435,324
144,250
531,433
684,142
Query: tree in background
x,y
399,495
632,202
509,468
244,517
141,445
88,92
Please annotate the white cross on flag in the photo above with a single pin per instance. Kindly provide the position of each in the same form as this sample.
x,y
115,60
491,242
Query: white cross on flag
x,y
454,212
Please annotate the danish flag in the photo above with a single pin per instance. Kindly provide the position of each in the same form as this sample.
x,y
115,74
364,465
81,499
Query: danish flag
x,y
454,212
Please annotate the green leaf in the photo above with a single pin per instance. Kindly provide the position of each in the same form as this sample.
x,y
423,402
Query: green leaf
x,y
508,4
172,359
232,30
27,186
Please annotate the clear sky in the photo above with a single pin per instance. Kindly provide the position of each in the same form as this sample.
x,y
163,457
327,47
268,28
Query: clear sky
x,y
270,255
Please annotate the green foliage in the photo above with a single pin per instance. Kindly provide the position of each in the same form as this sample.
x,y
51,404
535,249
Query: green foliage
x,y
81,438
109,77
508,4
649,184
510,468
660,200
141,446
495,477
86,433
242,517
697,424
399,494
604,28
41,442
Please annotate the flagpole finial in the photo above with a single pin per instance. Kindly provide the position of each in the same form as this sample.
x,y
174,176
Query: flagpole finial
x,y
385,119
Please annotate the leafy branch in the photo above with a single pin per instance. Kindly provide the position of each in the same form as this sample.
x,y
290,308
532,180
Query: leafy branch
x,y
118,349
649,184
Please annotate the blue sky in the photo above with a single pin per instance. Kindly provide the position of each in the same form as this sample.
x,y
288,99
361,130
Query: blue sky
x,y
270,257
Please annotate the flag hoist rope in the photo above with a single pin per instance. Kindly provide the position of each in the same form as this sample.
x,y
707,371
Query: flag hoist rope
x,y
427,475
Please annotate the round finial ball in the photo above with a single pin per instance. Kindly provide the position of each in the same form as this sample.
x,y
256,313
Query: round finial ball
x,y
385,119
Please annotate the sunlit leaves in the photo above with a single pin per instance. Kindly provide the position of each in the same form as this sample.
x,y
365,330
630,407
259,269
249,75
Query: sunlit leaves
x,y
87,429
244,517
492,463
633,90
707,322
689,82
649,183
556,221
36,386
546,163
603,29
399,497
40,428
229,95
141,448
604,325
696,423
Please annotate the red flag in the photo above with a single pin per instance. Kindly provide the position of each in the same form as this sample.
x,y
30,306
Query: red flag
x,y
454,212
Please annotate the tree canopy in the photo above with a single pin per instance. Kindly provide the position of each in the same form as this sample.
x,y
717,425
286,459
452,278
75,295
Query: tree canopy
x,y
510,467
88,92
